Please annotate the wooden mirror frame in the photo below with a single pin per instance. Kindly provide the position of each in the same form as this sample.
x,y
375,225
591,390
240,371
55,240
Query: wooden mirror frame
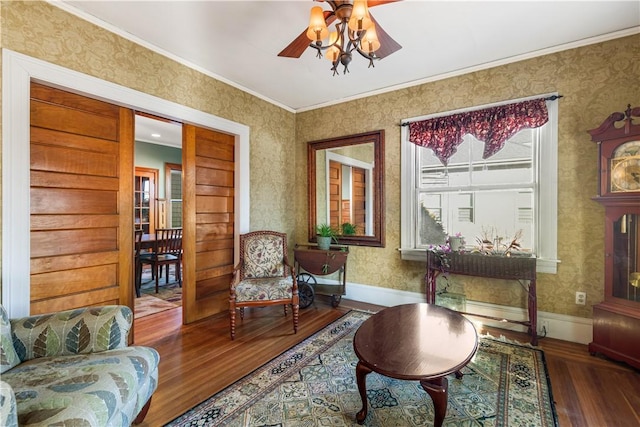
x,y
375,137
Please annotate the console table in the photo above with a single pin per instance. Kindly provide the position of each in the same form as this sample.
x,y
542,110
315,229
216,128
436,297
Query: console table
x,y
498,267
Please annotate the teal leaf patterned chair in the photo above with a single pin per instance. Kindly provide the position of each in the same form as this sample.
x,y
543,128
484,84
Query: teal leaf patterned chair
x,y
74,368
263,276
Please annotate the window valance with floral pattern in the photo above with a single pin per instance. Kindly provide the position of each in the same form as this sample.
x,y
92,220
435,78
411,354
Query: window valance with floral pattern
x,y
493,126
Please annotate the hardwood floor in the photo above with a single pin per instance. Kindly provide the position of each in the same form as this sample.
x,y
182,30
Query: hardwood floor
x,y
199,359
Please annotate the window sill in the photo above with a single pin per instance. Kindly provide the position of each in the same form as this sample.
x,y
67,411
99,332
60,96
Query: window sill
x,y
547,266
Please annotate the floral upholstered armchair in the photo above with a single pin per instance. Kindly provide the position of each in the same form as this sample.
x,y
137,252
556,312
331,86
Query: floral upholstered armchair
x,y
74,367
263,276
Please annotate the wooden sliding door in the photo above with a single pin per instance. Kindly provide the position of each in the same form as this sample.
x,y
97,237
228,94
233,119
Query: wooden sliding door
x,y
335,194
359,199
208,221
81,201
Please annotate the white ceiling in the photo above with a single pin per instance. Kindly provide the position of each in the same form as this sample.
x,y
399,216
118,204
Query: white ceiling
x,y
238,41
158,132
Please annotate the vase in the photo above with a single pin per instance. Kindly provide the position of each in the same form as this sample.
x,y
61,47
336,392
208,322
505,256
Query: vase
x,y
324,243
455,243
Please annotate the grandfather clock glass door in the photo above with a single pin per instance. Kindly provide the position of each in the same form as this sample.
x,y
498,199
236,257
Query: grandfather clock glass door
x,y
144,196
626,258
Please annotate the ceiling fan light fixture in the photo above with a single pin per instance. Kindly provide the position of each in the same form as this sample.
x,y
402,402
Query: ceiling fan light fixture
x,y
333,54
317,26
370,43
355,30
334,49
360,19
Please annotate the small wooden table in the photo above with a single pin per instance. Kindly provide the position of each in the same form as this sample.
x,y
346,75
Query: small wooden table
x,y
422,342
518,268
311,261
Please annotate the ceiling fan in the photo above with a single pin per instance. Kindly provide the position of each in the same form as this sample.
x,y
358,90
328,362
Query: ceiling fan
x,y
355,30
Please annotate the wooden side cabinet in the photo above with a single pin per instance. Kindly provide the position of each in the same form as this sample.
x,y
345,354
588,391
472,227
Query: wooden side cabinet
x,y
616,320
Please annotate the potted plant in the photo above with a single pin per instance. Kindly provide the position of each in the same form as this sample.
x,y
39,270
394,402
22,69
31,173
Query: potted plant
x,y
349,229
457,242
326,234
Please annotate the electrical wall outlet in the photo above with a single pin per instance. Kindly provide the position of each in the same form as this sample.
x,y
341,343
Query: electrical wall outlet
x,y
543,328
581,298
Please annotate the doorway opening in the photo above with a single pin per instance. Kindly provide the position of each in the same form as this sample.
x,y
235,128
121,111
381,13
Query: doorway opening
x,y
157,206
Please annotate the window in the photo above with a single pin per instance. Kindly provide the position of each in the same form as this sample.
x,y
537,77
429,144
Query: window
x,y
173,191
511,191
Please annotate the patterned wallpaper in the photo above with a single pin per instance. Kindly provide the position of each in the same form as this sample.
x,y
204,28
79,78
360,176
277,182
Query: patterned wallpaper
x,y
46,32
595,80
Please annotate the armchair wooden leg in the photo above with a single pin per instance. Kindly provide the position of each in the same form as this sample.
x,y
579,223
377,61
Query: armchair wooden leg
x,y
295,318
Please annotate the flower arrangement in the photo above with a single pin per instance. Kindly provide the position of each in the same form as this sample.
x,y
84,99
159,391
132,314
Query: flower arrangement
x,y
456,242
442,251
491,243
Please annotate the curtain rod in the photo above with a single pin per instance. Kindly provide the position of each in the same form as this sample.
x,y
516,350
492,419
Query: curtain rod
x,y
548,98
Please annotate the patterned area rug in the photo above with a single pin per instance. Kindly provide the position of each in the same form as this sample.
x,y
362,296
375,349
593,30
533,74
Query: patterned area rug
x,y
169,295
313,384
147,305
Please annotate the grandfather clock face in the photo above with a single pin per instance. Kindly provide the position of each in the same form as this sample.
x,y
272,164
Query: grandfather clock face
x,y
625,168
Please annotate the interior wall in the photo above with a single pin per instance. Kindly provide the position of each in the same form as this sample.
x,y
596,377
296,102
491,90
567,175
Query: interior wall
x,y
154,156
595,81
45,32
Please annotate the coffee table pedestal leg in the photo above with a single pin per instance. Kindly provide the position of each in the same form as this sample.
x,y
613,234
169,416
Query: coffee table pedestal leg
x,y
437,389
361,379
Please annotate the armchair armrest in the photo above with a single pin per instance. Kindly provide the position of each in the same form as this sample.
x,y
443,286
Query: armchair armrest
x,y
84,330
235,276
289,270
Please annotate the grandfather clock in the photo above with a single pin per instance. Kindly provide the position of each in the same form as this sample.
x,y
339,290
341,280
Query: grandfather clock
x,y
616,320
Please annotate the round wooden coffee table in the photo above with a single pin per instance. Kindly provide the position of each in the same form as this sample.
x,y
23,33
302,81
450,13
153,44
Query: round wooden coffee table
x,y
420,342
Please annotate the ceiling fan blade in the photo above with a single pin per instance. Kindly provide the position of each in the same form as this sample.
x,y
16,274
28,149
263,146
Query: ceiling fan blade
x,y
296,47
387,44
301,43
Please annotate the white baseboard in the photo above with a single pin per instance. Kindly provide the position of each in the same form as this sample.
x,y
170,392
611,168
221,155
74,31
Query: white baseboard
x,y
559,326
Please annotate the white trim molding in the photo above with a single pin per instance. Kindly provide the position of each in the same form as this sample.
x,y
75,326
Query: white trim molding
x,y
18,71
559,326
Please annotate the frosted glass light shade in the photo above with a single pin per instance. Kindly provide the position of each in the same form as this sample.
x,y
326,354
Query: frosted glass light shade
x,y
359,19
332,54
370,42
317,26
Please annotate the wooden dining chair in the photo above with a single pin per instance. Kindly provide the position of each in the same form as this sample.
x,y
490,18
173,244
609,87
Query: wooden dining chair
x,y
167,251
137,263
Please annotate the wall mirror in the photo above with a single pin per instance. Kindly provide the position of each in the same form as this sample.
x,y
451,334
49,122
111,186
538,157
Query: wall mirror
x,y
346,187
